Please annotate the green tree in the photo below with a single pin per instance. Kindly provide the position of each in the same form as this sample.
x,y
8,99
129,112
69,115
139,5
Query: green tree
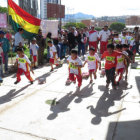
x,y
117,26
3,10
72,24
98,28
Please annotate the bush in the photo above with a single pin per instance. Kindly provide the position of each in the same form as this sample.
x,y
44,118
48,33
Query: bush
x,y
116,26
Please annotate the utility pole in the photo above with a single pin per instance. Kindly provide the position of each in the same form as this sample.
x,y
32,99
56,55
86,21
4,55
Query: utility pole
x,y
60,16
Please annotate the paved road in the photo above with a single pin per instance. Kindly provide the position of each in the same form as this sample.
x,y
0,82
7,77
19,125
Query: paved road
x,y
54,111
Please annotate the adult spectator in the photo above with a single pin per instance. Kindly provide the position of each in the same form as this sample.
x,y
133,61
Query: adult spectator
x,y
48,38
104,36
8,36
71,39
93,38
86,31
81,42
41,43
6,48
19,41
137,40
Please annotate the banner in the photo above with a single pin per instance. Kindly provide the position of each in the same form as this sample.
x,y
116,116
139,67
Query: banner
x,y
50,26
3,20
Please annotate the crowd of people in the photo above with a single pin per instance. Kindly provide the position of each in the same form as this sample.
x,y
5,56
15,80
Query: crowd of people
x,y
117,49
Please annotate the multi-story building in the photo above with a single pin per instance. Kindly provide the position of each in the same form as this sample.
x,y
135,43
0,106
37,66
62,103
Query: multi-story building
x,y
133,20
30,6
43,7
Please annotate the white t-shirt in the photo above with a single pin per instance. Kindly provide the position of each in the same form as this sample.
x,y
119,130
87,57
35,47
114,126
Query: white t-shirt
x,y
73,68
104,35
93,36
18,39
23,62
117,41
53,50
120,62
132,42
92,61
34,48
123,40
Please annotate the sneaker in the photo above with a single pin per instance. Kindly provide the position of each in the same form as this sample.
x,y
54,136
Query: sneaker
x,y
51,70
91,81
16,82
107,85
31,82
114,87
117,83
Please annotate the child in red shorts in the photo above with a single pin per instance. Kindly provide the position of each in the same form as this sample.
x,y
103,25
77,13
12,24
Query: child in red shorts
x,y
75,65
121,65
92,59
34,48
53,54
24,66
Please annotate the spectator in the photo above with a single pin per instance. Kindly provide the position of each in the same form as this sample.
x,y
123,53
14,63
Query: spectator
x,y
48,38
6,48
41,43
93,38
19,41
71,40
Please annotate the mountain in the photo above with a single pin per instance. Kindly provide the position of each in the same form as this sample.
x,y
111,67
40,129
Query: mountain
x,y
79,16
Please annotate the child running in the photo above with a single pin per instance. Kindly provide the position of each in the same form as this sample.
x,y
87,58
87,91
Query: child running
x,y
110,57
92,59
75,65
53,54
121,64
34,48
24,66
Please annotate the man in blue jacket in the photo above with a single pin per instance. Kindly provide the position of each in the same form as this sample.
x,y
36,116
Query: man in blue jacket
x,y
6,48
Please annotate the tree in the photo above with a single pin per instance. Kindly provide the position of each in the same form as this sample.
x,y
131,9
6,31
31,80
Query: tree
x,y
3,10
77,25
98,28
117,26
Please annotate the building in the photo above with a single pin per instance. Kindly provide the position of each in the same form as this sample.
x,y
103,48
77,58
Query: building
x,y
30,6
43,7
133,20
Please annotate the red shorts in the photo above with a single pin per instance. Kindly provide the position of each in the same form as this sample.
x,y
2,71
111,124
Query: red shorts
x,y
35,58
92,71
120,71
51,60
94,45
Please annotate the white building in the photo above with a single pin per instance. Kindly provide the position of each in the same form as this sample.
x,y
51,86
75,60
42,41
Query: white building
x,y
43,7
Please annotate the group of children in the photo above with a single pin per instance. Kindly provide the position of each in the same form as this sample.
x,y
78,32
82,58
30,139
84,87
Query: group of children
x,y
116,63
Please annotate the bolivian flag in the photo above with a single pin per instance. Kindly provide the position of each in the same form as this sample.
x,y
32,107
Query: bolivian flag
x,y
20,18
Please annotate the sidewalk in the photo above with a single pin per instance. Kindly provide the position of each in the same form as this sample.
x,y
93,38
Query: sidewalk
x,y
56,111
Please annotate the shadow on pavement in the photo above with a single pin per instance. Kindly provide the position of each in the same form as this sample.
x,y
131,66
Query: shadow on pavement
x,y
138,82
11,95
62,105
104,103
127,130
64,102
84,93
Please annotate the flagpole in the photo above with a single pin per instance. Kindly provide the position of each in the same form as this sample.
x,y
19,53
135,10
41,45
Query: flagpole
x,y
8,27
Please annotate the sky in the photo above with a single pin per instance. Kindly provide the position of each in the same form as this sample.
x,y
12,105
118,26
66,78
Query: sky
x,y
100,8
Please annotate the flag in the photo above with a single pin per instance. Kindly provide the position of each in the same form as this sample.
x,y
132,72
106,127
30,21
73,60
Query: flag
x,y
20,18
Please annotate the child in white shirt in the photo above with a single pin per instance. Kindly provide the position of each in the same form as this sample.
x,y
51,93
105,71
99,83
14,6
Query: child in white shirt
x,y
34,49
92,59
